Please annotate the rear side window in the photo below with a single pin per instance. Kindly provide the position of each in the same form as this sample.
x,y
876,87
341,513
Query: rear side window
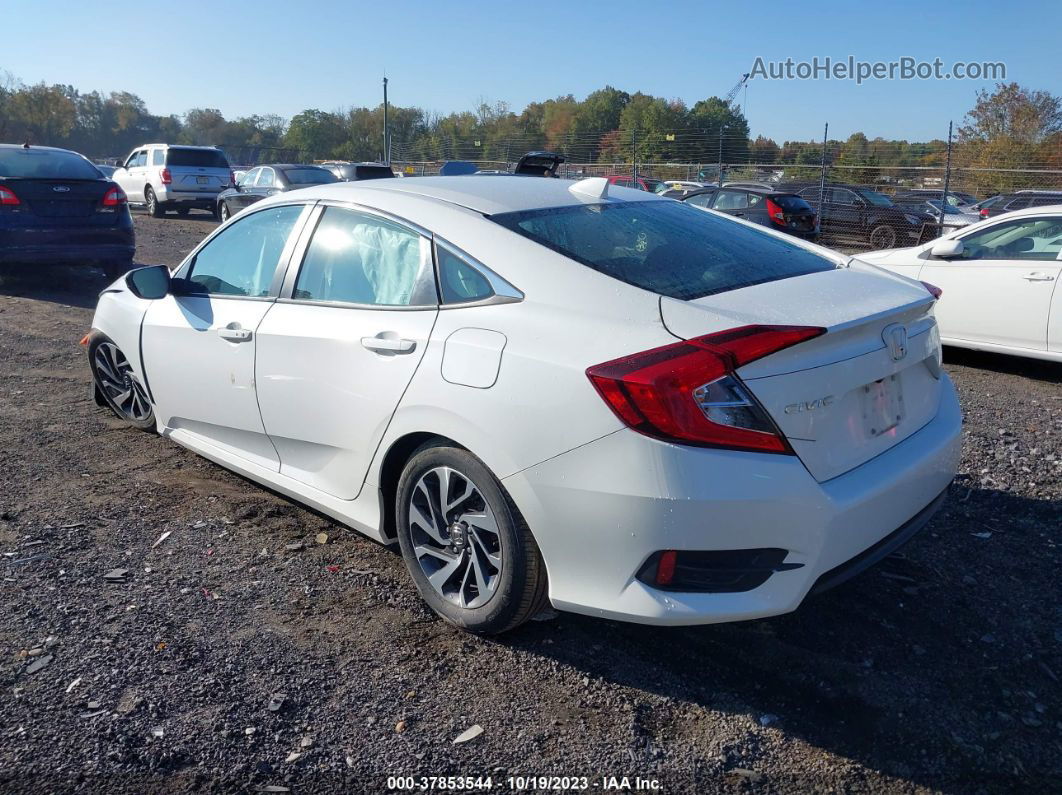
x,y
241,260
198,158
309,176
665,246
459,281
158,157
44,164
362,259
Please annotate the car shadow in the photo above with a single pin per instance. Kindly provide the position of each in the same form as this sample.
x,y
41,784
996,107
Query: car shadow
x,y
939,666
62,284
1038,369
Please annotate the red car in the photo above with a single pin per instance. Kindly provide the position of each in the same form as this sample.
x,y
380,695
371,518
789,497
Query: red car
x,y
641,183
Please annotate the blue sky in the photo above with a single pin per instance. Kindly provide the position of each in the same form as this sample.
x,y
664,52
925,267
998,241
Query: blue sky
x,y
283,57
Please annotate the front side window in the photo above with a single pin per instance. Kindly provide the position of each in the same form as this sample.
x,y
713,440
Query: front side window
x,y
1027,239
241,260
700,200
247,180
459,282
266,179
665,246
141,159
358,258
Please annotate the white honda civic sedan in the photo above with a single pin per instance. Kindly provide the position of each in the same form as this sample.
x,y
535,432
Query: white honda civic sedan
x,y
999,280
550,390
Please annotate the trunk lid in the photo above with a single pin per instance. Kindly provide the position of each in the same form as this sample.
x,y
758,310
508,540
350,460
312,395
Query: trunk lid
x,y
63,202
868,383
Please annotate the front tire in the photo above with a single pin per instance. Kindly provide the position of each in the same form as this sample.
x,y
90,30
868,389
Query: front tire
x,y
882,236
152,202
223,213
465,544
118,384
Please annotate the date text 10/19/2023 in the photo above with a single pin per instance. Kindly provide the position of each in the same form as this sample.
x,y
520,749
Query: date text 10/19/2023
x,y
523,783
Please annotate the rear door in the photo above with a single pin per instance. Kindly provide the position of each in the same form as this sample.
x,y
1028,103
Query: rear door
x,y
199,344
336,353
999,290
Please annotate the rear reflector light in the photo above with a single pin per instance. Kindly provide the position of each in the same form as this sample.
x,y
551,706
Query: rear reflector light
x,y
7,196
166,176
665,567
776,212
688,391
935,291
984,212
114,197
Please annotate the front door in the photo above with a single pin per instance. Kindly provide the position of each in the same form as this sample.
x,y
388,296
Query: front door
x,y
999,290
338,350
199,343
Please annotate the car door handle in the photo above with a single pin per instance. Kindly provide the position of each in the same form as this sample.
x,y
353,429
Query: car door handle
x,y
236,334
389,345
1038,276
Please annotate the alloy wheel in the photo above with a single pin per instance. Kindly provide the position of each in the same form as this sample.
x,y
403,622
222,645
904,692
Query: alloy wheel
x,y
455,537
883,237
119,384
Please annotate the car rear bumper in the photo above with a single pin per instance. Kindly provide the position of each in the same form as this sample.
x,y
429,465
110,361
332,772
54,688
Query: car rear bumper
x,y
600,511
199,198
67,245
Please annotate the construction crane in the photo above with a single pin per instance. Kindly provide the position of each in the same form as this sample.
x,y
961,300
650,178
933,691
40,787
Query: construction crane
x,y
737,87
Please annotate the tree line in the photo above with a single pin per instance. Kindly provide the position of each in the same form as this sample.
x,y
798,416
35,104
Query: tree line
x,y
1009,128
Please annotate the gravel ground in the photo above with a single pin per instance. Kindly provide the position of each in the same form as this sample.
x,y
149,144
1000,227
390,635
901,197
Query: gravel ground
x,y
937,671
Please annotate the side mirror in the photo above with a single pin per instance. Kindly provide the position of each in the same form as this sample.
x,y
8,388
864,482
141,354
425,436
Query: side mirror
x,y
946,249
150,283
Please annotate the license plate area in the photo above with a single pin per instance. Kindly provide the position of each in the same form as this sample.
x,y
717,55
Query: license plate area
x,y
882,405
203,180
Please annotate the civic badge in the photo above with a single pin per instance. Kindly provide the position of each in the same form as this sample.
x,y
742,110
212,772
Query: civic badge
x,y
895,339
61,189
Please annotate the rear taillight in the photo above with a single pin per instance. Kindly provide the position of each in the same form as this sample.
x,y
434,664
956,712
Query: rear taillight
x,y
984,212
8,197
935,291
688,391
166,176
114,197
776,212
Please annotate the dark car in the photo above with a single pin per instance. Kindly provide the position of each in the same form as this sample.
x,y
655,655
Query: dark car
x,y
783,212
855,212
263,181
956,198
351,172
56,207
1019,201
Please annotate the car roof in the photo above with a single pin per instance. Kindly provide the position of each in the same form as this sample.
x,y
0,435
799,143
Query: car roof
x,y
34,146
289,165
1044,209
499,194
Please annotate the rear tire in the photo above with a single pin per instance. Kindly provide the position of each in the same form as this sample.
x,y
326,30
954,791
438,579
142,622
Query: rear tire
x,y
118,385
468,550
152,202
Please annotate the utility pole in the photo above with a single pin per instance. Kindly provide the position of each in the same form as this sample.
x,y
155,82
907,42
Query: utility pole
x,y
386,137
719,178
634,144
947,181
822,175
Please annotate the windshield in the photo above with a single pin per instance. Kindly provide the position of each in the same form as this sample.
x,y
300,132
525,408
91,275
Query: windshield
x,y
666,247
875,198
949,209
309,176
201,158
45,164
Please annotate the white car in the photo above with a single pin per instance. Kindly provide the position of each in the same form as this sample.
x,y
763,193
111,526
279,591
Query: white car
x,y
547,388
998,279
182,178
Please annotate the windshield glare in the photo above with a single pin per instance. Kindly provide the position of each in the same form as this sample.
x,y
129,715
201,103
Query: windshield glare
x,y
875,198
669,248
309,176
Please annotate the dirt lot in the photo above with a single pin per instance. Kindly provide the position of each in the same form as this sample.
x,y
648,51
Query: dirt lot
x,y
939,670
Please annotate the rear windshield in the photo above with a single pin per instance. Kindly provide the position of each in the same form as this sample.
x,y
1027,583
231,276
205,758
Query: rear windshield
x,y
367,172
791,204
45,164
200,158
309,176
666,247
